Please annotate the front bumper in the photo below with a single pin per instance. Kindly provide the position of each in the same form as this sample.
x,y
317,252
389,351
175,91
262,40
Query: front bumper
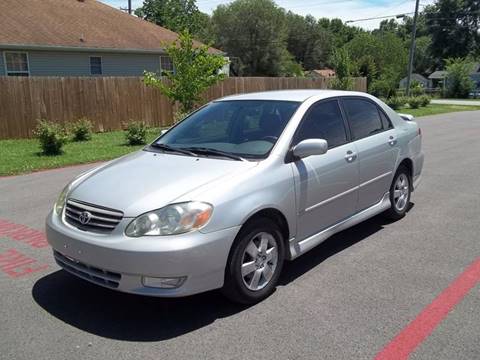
x,y
120,262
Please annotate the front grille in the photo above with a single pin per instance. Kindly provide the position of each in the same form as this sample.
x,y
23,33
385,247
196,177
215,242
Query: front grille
x,y
99,276
100,219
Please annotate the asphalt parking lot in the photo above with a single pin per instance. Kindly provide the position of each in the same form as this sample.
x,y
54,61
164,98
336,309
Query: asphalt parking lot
x,y
391,290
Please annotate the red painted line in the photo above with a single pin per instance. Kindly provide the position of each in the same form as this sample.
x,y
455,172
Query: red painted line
x,y
15,264
22,233
423,325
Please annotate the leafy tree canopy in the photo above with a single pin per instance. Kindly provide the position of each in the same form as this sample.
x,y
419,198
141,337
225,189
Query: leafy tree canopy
x,y
454,28
255,31
176,15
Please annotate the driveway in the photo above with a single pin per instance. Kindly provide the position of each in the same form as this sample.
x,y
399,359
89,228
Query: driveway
x,y
455,102
395,289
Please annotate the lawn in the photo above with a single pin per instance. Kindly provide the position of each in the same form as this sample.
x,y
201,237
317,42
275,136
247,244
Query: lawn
x,y
434,109
23,155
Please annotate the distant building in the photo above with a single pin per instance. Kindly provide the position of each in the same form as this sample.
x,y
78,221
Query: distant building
x,y
79,38
438,77
422,80
326,73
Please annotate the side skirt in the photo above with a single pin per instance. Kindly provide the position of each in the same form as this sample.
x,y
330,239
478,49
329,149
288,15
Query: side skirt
x,y
301,247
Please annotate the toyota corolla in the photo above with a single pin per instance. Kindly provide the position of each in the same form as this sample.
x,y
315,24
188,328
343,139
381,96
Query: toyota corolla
x,y
226,196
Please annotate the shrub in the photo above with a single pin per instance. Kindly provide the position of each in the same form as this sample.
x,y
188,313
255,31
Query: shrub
x,y
382,87
425,100
136,133
416,88
396,102
414,102
52,137
458,79
81,130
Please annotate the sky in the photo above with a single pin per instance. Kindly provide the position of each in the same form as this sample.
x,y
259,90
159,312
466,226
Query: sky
x,y
343,9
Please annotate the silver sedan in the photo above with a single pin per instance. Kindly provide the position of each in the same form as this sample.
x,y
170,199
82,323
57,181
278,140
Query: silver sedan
x,y
226,196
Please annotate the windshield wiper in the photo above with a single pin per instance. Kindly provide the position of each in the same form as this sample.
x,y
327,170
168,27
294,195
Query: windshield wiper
x,y
169,148
215,152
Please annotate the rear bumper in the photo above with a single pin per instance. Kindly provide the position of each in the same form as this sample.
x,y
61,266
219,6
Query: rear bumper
x,y
119,262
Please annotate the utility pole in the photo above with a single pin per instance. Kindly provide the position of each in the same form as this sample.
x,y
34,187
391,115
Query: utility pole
x,y
412,48
129,8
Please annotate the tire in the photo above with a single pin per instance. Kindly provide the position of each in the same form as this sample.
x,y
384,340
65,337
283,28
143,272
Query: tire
x,y
261,273
400,192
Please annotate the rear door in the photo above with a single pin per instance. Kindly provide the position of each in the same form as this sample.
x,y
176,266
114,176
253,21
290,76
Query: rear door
x,y
375,141
325,185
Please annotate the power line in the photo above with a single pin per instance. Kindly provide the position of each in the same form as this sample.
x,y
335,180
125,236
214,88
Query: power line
x,y
378,17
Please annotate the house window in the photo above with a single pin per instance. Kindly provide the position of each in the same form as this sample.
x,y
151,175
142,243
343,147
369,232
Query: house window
x,y
95,65
166,64
16,64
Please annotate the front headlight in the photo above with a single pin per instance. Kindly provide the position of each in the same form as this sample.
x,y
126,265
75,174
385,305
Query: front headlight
x,y
171,220
60,203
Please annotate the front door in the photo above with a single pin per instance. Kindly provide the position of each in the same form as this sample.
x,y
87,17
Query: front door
x,y
325,185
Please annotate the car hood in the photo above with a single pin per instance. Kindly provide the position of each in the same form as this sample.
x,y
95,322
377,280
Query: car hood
x,y
145,181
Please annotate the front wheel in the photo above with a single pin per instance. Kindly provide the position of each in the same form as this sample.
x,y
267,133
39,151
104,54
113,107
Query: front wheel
x,y
255,262
400,192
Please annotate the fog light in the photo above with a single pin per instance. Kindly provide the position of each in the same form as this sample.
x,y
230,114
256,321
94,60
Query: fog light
x,y
163,283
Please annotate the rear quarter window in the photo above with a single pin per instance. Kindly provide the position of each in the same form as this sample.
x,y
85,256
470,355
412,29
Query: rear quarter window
x,y
363,117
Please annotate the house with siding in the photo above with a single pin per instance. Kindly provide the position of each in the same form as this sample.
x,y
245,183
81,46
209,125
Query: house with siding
x,y
422,80
79,38
438,77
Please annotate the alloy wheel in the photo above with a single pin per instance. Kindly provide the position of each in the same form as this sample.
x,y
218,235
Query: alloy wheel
x,y
401,192
259,261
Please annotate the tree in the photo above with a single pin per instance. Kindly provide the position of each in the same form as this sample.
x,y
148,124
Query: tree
x,y
341,32
254,31
423,61
343,68
454,28
195,71
308,42
459,83
176,15
382,58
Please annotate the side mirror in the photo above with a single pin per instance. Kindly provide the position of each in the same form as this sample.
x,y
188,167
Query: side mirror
x,y
310,147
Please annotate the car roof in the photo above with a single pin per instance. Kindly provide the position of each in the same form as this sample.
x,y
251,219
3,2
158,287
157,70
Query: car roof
x,y
292,95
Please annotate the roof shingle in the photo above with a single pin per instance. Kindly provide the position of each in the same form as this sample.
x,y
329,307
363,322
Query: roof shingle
x,y
78,23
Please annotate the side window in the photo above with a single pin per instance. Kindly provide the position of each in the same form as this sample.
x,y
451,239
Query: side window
x,y
364,118
323,121
387,124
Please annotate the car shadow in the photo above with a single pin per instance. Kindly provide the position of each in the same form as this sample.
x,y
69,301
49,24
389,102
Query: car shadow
x,y
333,245
121,316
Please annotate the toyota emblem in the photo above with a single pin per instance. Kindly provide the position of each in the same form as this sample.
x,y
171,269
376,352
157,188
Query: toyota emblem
x,y
85,217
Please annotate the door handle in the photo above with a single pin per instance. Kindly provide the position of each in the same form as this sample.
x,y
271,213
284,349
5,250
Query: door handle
x,y
350,156
392,141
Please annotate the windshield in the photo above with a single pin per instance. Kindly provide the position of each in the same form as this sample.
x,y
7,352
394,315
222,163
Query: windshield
x,y
246,128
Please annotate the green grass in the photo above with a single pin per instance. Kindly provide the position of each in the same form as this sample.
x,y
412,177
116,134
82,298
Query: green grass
x,y
23,155
434,109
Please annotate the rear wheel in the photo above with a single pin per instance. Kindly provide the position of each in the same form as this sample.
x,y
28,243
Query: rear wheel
x,y
400,192
255,262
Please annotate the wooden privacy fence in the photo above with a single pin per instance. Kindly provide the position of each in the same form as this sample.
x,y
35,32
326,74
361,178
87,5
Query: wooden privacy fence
x,y
110,102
